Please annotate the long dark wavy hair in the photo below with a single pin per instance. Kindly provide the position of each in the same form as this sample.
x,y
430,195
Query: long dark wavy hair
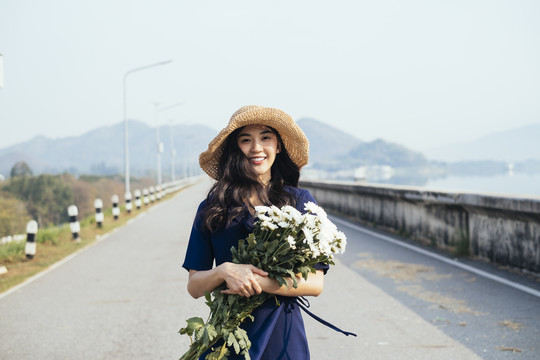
x,y
237,181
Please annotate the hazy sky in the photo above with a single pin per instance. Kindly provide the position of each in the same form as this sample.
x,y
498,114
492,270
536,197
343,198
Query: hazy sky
x,y
420,73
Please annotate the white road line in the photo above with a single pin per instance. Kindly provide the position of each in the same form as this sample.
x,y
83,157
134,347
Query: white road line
x,y
452,262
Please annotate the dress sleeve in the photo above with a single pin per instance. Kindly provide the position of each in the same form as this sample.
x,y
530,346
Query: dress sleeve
x,y
303,197
199,253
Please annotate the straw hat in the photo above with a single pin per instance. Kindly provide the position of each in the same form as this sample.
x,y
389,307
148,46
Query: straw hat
x,y
293,137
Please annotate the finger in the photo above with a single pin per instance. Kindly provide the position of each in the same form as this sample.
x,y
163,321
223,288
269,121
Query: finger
x,y
257,287
256,270
230,292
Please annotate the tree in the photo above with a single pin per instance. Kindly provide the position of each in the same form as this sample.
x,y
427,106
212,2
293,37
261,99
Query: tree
x,y
46,196
21,168
13,215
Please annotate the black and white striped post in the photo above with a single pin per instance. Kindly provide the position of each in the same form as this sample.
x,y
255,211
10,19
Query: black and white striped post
x,y
146,199
115,208
129,204
138,202
98,204
74,225
31,231
152,196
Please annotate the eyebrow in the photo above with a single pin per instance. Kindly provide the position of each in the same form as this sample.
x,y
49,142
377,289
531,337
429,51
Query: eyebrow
x,y
261,133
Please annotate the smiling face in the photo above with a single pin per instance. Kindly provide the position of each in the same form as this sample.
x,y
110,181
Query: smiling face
x,y
260,146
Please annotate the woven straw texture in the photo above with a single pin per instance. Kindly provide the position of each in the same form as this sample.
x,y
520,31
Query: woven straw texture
x,y
293,137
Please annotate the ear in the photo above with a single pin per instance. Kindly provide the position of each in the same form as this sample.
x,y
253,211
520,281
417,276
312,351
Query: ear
x,y
278,150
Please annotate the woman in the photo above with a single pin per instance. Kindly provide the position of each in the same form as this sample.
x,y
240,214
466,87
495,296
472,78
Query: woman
x,y
256,160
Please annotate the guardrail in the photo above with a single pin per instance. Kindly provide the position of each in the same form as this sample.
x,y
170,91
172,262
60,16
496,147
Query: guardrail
x,y
500,228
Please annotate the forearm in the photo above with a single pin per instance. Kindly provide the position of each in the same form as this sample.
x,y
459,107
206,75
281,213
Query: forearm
x,y
201,282
313,286
240,279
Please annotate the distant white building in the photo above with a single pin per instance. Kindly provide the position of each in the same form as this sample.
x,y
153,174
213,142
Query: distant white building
x,y
373,173
2,177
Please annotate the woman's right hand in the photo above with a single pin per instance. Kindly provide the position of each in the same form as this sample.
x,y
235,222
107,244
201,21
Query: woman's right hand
x,y
240,279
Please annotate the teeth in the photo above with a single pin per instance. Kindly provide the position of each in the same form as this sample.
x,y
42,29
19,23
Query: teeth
x,y
257,159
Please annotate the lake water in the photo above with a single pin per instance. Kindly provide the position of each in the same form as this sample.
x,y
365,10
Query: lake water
x,y
516,184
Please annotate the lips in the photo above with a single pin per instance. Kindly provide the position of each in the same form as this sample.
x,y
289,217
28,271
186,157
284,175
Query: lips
x,y
257,159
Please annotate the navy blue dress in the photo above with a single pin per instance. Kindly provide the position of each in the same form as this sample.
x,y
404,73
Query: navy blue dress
x,y
278,331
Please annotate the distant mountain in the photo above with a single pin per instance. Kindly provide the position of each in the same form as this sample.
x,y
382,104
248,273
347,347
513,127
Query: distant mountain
x,y
380,152
333,149
326,142
101,151
519,144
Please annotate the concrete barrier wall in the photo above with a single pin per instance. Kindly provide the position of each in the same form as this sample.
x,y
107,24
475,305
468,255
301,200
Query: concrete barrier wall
x,y
502,229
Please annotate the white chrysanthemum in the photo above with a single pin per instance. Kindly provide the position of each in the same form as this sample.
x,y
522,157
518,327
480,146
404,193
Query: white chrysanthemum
x,y
328,225
325,236
342,241
315,250
325,247
263,217
284,224
314,209
290,210
269,225
262,209
309,235
298,218
291,241
310,220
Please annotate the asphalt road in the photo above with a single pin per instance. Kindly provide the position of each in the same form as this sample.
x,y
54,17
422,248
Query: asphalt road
x,y
125,298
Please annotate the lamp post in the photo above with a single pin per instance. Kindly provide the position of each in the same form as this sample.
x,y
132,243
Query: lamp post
x,y
126,147
159,143
173,153
159,148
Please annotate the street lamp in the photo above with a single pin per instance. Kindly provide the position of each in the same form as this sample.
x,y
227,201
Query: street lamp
x,y
173,153
159,143
126,147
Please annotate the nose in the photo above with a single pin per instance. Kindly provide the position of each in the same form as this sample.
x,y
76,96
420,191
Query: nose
x,y
256,146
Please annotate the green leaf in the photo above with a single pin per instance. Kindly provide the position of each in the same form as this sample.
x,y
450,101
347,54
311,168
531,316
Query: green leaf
x,y
193,325
305,270
212,333
242,337
218,354
231,341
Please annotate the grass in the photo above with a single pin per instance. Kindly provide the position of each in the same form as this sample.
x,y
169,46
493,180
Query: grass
x,y
55,243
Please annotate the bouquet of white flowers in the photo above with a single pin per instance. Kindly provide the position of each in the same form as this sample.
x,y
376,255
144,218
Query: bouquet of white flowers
x,y
284,243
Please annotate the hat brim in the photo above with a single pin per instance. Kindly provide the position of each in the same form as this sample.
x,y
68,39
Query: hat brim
x,y
294,139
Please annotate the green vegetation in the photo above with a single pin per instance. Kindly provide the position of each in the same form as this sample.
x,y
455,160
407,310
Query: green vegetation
x,y
20,169
13,215
46,197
